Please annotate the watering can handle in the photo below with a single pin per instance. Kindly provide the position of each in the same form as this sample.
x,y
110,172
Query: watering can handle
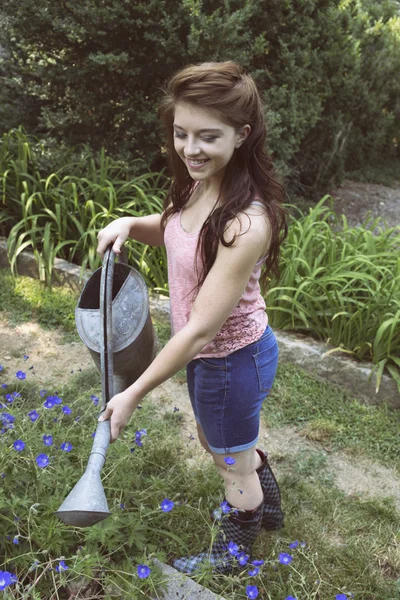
x,y
106,333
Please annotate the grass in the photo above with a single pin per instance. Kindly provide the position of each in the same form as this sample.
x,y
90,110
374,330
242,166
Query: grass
x,y
345,544
329,414
24,299
349,544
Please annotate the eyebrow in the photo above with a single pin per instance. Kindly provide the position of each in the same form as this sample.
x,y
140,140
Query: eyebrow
x,y
201,130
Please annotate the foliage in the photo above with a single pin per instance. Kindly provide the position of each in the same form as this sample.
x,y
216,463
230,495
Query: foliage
x,y
341,285
327,70
137,477
59,214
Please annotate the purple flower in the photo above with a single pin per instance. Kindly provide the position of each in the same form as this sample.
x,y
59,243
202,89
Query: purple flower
x,y
42,460
66,446
95,400
61,566
233,548
33,415
252,591
290,598
143,571
4,385
16,540
1,367
254,572
242,558
66,410
257,563
26,357
122,505
167,505
20,375
57,399
225,507
6,579
48,440
285,558
341,597
294,544
49,402
303,544
19,445
229,460
42,393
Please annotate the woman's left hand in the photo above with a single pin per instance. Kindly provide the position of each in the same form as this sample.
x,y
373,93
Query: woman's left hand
x,y
119,409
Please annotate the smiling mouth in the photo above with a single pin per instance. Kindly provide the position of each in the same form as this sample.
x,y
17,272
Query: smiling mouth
x,y
197,163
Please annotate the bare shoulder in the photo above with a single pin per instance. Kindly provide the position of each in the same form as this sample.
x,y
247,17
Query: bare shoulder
x,y
251,226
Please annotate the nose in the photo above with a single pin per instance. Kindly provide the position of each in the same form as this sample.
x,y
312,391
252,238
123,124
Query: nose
x,y
191,148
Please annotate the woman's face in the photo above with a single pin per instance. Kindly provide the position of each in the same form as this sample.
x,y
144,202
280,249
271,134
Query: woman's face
x,y
204,142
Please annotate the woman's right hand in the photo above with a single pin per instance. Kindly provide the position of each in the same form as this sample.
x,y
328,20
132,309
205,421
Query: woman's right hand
x,y
117,233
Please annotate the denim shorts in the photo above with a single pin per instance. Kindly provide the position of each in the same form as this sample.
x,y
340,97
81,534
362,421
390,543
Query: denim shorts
x,y
227,393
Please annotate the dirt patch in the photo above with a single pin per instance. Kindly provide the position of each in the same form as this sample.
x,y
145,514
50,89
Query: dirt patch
x,y
52,361
356,199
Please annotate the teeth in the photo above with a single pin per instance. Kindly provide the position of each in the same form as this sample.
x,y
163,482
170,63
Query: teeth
x,y
197,162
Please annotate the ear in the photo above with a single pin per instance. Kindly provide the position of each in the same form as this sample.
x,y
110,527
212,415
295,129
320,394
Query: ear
x,y
243,134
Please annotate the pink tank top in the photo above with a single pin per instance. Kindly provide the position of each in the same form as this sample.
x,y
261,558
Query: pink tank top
x,y
247,322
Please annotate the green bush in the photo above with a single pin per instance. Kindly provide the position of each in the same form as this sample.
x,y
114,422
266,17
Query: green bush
x,y
327,70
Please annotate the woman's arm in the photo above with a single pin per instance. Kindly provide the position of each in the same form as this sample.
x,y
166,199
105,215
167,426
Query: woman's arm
x,y
217,298
147,230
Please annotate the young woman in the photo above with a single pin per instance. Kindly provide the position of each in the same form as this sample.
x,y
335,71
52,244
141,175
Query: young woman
x,y
223,220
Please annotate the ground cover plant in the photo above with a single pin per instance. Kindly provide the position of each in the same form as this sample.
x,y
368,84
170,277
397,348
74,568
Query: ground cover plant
x,y
333,546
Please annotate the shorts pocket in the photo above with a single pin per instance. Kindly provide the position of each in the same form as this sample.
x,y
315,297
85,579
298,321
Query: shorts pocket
x,y
214,363
266,363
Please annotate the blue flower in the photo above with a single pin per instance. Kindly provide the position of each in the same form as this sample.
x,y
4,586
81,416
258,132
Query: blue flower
x,y
49,402
242,558
122,505
167,505
56,399
33,415
42,460
7,418
143,571
16,540
19,445
9,398
66,446
48,440
26,357
254,572
294,544
290,598
95,400
233,548
285,558
1,367
6,579
20,375
225,507
229,460
42,393
257,563
252,591
66,410
4,385
341,597
302,544
61,566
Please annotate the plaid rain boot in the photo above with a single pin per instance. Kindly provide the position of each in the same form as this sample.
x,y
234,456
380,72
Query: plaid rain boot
x,y
273,516
232,546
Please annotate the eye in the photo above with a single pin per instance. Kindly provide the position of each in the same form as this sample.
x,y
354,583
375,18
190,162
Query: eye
x,y
208,139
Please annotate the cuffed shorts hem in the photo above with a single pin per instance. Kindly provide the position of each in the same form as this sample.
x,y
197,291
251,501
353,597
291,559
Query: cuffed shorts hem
x,y
234,449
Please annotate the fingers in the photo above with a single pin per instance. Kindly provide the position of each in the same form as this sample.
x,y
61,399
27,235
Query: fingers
x,y
115,427
104,242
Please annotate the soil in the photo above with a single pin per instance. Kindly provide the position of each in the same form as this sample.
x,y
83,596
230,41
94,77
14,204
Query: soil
x,y
355,199
53,362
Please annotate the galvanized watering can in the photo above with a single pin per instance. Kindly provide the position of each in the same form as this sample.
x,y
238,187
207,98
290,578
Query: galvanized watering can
x,y
113,321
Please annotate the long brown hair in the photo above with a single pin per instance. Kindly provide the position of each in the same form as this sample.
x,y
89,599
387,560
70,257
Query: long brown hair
x,y
225,88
